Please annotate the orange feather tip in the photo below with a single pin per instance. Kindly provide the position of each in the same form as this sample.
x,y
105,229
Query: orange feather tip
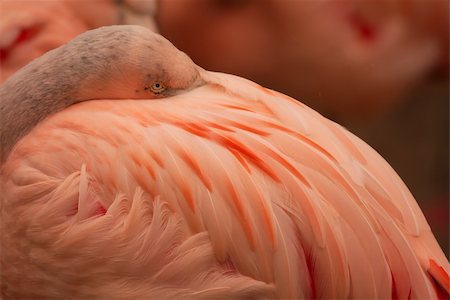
x,y
440,276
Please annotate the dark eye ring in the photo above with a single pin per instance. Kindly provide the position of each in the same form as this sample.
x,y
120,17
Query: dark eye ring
x,y
157,88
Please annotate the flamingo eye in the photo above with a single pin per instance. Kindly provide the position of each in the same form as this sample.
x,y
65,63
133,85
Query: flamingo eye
x,y
157,88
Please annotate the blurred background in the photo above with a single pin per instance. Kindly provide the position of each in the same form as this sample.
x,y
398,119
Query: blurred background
x,y
378,67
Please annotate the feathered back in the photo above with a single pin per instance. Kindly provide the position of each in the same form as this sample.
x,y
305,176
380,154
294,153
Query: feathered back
x,y
227,191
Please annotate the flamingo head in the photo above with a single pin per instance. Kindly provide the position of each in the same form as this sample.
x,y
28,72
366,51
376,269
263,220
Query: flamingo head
x,y
131,62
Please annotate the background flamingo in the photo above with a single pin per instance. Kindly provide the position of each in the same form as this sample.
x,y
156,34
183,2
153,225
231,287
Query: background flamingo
x,y
171,181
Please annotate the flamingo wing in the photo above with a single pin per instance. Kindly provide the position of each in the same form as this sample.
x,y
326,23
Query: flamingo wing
x,y
229,189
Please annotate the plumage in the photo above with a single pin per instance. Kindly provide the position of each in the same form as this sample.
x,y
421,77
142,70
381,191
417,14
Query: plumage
x,y
227,190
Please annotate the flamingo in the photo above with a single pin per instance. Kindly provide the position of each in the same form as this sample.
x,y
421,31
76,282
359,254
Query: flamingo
x,y
30,28
127,171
